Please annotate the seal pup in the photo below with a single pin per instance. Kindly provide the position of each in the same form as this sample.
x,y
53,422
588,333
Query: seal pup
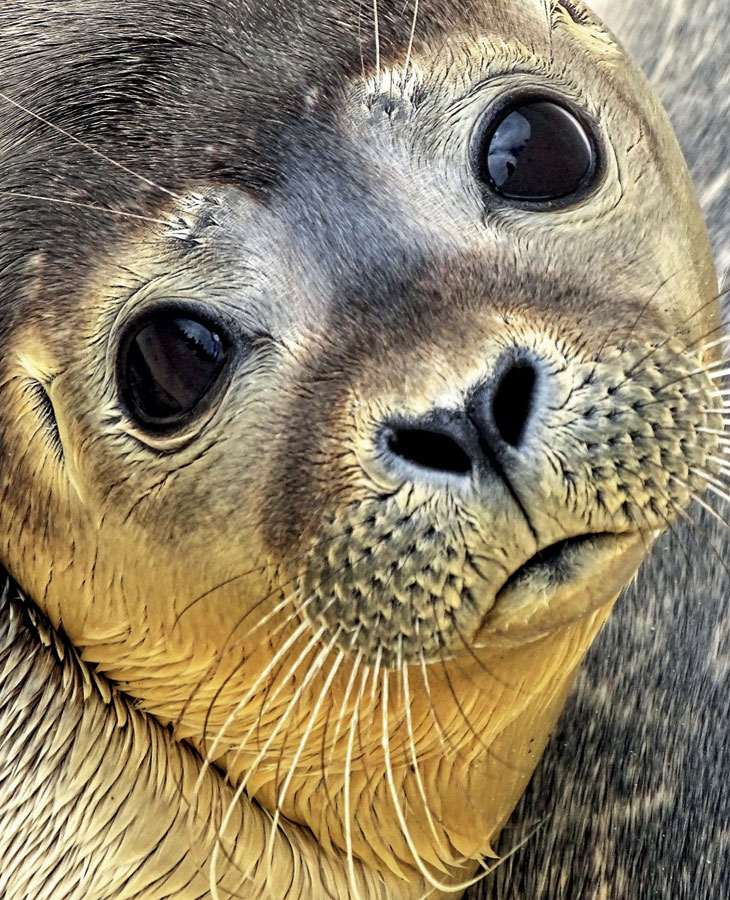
x,y
631,790
372,583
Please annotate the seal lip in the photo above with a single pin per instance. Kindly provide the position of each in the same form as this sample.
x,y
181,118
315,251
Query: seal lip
x,y
494,115
560,584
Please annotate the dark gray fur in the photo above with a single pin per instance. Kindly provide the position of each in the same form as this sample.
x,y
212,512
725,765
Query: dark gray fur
x,y
632,790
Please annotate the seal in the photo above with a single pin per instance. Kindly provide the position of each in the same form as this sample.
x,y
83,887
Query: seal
x,y
351,364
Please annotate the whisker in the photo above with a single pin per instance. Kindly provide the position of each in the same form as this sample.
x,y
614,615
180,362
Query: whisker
x,y
255,726
299,610
642,311
713,484
305,737
278,657
698,499
434,717
287,601
77,203
712,344
406,690
275,660
445,669
390,780
349,851
371,705
76,140
260,569
716,431
721,463
311,673
376,20
411,39
327,763
695,529
655,349
345,699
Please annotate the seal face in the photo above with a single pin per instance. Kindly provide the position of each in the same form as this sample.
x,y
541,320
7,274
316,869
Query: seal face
x,y
334,435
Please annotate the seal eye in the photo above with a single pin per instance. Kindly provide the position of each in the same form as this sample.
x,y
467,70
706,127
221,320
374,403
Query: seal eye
x,y
537,152
168,366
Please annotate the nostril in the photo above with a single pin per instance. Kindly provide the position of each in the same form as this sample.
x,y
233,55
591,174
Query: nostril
x,y
513,401
429,450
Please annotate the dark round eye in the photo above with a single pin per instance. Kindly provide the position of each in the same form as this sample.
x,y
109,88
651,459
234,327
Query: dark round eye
x,y
169,363
537,152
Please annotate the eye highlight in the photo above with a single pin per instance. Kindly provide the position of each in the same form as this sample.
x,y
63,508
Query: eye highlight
x,y
168,365
537,152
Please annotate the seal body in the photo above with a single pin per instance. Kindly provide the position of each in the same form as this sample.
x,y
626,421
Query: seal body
x,y
329,432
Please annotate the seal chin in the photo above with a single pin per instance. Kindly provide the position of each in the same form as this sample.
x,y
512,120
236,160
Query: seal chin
x,y
560,584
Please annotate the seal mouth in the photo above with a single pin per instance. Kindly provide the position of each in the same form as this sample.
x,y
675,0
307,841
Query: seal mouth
x,y
555,562
561,583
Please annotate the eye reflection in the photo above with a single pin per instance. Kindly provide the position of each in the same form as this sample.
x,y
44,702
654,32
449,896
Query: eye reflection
x,y
538,152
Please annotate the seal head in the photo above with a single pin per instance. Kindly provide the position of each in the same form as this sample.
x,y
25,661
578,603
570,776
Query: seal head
x,y
333,430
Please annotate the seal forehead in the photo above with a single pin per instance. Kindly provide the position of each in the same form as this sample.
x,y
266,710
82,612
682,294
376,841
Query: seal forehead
x,y
235,82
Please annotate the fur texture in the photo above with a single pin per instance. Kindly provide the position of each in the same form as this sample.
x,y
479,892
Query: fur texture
x,y
249,151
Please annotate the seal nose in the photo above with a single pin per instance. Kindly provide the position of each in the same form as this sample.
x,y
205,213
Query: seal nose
x,y
455,442
502,407
440,442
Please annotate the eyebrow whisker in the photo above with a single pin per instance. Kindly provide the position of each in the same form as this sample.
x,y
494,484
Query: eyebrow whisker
x,y
88,147
77,203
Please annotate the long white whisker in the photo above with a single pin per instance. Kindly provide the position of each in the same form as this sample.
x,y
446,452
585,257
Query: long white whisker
x,y
376,673
305,737
711,344
311,644
377,38
210,755
411,40
724,464
428,876
302,606
312,671
278,656
427,685
345,699
348,790
698,499
713,483
716,431
414,757
721,374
